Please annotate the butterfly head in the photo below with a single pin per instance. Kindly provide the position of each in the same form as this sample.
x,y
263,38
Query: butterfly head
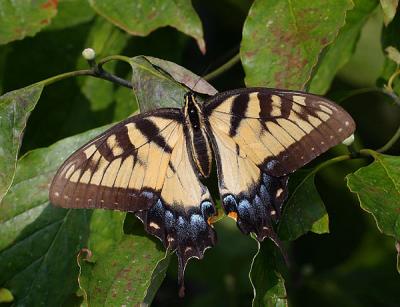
x,y
192,109
190,98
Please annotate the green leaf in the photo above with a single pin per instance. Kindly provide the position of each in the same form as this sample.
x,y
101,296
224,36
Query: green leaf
x,y
389,8
268,284
6,296
24,18
304,210
156,83
126,269
38,242
142,16
339,52
283,40
71,13
378,189
15,108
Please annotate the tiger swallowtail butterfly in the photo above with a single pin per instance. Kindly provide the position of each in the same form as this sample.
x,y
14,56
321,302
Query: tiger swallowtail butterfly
x,y
152,164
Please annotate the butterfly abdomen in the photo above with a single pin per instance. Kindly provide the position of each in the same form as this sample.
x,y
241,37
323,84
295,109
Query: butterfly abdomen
x,y
201,152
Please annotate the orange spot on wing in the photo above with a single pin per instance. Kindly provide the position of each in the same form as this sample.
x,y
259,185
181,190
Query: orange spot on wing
x,y
233,215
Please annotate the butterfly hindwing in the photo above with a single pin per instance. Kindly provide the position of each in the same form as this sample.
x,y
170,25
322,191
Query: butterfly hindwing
x,y
142,165
260,136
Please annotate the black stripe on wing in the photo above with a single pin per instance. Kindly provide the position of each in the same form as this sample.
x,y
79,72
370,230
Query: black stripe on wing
x,y
292,127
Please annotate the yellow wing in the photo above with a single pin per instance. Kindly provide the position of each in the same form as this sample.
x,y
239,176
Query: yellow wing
x,y
142,165
123,168
260,136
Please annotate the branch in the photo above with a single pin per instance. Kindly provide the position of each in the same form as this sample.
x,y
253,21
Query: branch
x,y
220,70
96,70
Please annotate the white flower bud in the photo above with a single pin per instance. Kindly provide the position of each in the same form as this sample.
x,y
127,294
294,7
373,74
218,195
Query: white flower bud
x,y
89,54
349,140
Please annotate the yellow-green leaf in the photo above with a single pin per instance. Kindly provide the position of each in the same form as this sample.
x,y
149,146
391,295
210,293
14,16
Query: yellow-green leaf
x,y
6,296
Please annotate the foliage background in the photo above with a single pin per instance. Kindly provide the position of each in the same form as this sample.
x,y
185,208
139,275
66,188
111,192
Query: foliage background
x,y
282,44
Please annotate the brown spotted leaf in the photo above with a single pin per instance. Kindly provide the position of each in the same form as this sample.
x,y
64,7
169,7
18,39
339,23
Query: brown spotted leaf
x,y
19,19
342,48
125,269
283,40
141,17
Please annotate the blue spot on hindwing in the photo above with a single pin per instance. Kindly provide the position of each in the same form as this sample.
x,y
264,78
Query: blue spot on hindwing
x,y
230,203
147,194
169,220
244,208
207,208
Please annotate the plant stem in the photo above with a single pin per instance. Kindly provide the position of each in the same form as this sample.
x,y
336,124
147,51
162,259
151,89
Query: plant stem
x,y
220,70
369,90
329,162
391,79
114,58
391,142
96,71
51,80
388,91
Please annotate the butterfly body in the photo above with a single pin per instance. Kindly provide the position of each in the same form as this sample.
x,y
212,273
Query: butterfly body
x,y
199,141
152,164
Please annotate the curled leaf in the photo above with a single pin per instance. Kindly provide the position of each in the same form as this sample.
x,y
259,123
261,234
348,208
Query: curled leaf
x,y
158,83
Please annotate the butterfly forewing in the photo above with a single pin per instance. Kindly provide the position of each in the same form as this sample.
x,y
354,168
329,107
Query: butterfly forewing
x,y
279,130
116,170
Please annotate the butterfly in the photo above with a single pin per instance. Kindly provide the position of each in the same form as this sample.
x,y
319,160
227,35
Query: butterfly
x,y
153,164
